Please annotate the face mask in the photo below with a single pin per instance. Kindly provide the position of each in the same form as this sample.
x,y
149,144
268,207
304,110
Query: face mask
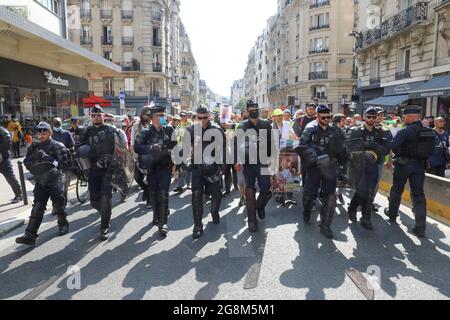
x,y
254,114
57,129
163,121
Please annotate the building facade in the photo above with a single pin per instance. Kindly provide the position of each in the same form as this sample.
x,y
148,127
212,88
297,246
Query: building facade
x,y
403,54
306,52
146,38
237,92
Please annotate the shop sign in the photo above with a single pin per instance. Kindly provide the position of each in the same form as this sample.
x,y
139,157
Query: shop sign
x,y
432,94
56,80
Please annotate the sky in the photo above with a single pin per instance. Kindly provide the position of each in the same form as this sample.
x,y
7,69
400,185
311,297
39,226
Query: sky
x,y
222,33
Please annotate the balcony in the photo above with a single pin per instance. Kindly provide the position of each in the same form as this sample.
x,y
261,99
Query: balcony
x,y
319,4
317,51
107,41
354,74
403,75
108,93
156,16
318,75
86,40
274,88
85,14
322,26
127,41
127,14
157,67
134,66
106,14
400,22
157,43
185,63
375,81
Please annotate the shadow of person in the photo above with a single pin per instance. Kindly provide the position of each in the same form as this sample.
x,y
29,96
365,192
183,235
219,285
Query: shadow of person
x,y
317,256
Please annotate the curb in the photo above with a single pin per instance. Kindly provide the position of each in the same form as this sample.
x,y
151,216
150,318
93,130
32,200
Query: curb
x,y
19,223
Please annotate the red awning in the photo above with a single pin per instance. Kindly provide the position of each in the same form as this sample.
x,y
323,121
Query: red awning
x,y
91,101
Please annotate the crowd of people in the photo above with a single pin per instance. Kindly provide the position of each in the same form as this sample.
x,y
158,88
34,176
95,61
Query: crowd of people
x,y
333,150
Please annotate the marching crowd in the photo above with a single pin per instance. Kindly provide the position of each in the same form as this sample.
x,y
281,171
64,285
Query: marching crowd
x,y
335,151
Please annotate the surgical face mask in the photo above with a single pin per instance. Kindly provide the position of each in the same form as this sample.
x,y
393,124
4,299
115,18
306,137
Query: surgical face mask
x,y
163,121
254,114
57,129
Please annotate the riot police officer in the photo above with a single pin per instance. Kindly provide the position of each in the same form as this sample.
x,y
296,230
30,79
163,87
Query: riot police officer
x,y
97,144
375,143
207,169
46,160
254,170
411,146
322,151
5,164
154,145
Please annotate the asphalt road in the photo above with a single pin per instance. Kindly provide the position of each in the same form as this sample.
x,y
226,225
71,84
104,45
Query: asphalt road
x,y
285,260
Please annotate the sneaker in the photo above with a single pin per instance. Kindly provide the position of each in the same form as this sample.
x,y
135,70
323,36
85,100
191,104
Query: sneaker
x,y
17,199
341,198
104,234
178,190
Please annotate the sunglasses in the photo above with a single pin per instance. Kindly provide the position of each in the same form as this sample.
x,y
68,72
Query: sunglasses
x,y
371,117
202,118
97,115
326,118
42,131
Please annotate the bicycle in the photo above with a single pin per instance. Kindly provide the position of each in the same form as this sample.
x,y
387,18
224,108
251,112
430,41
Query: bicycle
x,y
82,186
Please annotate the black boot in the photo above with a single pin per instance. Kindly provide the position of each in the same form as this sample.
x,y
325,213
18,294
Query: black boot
x,y
215,207
153,197
197,212
63,224
105,211
261,203
15,186
308,204
353,207
367,205
163,201
392,217
326,215
250,198
31,234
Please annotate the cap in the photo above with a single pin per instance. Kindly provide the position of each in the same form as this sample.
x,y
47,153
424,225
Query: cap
x,y
311,105
97,109
323,109
379,110
251,104
277,112
178,118
146,110
183,114
157,109
371,111
44,126
202,110
287,111
74,119
412,110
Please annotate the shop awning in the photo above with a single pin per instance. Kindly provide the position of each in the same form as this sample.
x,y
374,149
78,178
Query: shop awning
x,y
91,101
439,86
388,101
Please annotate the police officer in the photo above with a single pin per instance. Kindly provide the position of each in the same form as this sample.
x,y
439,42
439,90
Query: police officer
x,y
46,160
154,145
207,169
376,145
97,144
6,166
411,146
322,151
254,171
75,129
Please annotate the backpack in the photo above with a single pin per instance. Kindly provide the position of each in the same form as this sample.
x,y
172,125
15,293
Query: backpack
x,y
426,143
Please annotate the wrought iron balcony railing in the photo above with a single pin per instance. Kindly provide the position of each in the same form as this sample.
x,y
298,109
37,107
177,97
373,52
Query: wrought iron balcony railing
x,y
374,81
318,4
85,13
318,27
401,21
86,40
127,41
157,43
318,75
106,14
131,66
403,75
127,14
157,68
354,74
274,88
107,41
316,51
108,93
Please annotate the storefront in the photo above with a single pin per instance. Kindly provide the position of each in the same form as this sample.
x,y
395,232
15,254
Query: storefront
x,y
32,91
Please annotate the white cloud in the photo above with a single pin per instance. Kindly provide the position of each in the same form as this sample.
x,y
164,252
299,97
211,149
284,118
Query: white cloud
x,y
222,32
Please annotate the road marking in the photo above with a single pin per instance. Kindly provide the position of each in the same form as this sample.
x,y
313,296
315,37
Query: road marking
x,y
361,282
252,278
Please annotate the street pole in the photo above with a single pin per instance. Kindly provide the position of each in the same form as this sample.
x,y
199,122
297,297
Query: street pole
x,y
22,183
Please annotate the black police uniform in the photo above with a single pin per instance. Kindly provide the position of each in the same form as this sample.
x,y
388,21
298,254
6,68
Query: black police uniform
x,y
322,152
409,167
153,147
6,167
101,142
377,142
252,172
206,177
46,161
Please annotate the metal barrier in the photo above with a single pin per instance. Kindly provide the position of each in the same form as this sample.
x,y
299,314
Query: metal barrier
x,y
22,183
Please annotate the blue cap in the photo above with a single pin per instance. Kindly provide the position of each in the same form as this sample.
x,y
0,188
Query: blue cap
x,y
323,109
44,126
371,111
412,110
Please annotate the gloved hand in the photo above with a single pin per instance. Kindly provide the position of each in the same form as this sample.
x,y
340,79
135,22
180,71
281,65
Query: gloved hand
x,y
42,156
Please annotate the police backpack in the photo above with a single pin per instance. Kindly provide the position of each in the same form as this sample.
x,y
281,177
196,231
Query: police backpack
x,y
426,143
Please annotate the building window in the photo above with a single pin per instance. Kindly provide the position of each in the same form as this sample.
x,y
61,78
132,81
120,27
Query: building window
x,y
375,68
52,5
108,55
129,84
320,92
